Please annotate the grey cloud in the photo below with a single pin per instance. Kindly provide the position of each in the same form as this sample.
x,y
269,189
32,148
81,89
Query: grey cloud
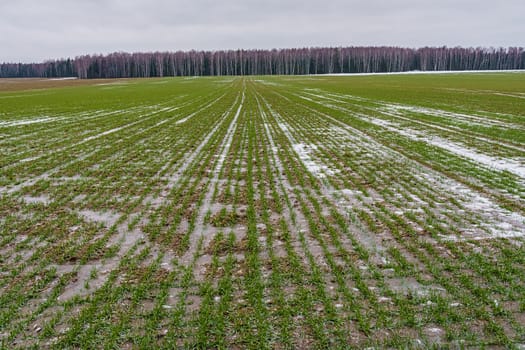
x,y
36,30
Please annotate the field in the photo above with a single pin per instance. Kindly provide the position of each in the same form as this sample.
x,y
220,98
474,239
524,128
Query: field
x,y
263,212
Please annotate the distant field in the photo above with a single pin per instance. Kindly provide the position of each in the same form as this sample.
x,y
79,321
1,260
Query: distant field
x,y
9,85
263,212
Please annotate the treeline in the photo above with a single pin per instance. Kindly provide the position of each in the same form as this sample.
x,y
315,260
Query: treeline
x,y
271,62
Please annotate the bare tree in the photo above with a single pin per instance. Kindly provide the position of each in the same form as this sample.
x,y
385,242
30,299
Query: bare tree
x,y
269,62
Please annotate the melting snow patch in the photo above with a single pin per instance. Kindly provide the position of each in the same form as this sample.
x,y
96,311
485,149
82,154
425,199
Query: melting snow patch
x,y
105,133
65,78
180,121
509,95
399,110
30,159
107,218
409,285
284,127
514,166
433,333
495,221
265,82
43,199
421,72
114,83
27,121
319,170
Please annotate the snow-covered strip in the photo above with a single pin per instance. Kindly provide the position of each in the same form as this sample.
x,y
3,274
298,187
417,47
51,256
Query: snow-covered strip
x,y
399,110
489,92
510,95
114,83
84,116
183,120
266,82
65,78
452,129
303,150
107,132
111,131
105,114
515,166
29,159
421,72
468,118
393,110
225,148
180,121
28,121
25,95
229,137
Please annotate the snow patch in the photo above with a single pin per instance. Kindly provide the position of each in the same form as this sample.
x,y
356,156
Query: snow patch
x,y
65,78
502,224
113,83
515,166
28,121
304,152
512,165
104,133
107,218
43,199
495,221
270,83
471,119
422,72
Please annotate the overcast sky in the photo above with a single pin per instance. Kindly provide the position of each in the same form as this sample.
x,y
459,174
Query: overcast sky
x,y
35,30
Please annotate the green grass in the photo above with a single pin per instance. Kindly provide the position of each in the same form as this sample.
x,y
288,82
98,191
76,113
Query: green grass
x,y
264,212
